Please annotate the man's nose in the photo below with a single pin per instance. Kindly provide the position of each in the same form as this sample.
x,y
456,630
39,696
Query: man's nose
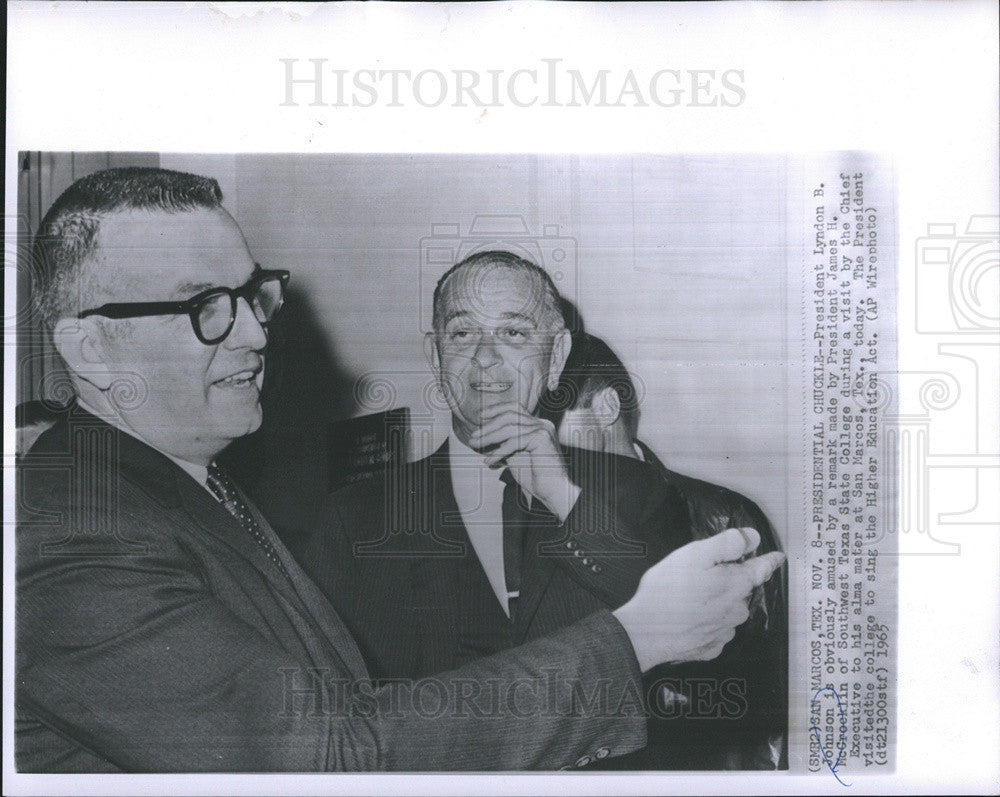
x,y
247,331
486,354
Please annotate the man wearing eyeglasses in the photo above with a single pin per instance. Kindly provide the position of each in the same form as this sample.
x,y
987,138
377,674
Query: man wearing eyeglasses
x,y
163,626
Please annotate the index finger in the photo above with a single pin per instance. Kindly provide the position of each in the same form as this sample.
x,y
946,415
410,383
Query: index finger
x,y
497,410
726,546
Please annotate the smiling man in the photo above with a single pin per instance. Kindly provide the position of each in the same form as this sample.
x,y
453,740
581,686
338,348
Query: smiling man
x,y
498,342
162,625
215,375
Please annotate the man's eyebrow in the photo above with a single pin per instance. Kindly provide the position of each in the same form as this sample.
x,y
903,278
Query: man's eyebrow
x,y
518,316
505,316
187,289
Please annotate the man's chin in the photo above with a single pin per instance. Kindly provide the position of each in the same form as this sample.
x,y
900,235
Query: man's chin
x,y
465,425
255,424
242,421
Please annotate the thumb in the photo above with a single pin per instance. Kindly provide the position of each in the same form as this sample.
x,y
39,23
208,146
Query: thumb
x,y
761,568
726,546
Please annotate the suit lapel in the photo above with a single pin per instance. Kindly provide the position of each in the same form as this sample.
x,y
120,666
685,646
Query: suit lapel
x,y
217,522
166,483
537,569
445,518
296,590
436,576
174,490
433,578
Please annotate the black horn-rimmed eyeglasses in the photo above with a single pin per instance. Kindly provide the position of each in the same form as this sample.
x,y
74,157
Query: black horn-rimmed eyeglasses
x,y
213,311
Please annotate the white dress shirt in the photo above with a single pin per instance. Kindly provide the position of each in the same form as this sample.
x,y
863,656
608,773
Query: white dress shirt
x,y
479,495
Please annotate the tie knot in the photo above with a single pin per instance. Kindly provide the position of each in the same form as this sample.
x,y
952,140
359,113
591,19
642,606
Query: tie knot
x,y
508,478
515,499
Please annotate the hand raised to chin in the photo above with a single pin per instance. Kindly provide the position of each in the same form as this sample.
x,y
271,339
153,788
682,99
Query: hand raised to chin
x,y
529,447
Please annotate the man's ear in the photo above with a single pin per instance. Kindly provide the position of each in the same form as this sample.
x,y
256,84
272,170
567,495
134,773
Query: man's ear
x,y
606,406
431,352
82,345
557,358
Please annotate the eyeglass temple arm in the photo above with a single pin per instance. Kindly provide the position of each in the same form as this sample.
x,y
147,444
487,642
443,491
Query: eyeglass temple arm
x,y
136,309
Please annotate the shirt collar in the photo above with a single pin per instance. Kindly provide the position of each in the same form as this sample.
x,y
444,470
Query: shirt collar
x,y
456,448
470,473
468,468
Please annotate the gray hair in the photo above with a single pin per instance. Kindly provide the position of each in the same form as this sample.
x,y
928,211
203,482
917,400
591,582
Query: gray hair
x,y
547,298
67,236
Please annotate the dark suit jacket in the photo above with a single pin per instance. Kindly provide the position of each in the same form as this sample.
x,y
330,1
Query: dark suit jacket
x,y
762,643
153,634
391,554
394,556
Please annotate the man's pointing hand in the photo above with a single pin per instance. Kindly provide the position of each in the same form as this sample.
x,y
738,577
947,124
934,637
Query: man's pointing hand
x,y
688,605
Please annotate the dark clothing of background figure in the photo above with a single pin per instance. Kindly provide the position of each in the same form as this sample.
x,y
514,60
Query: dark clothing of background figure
x,y
763,640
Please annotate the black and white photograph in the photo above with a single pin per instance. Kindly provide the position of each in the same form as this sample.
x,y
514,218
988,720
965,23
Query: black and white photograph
x,y
436,464
592,466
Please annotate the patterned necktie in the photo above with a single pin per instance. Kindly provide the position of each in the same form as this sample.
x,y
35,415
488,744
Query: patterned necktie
x,y
515,516
223,488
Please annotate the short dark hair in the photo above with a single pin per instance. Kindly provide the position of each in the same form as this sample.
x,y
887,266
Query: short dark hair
x,y
549,299
67,236
591,367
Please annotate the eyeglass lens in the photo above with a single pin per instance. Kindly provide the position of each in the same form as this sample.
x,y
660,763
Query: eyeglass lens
x,y
218,312
267,300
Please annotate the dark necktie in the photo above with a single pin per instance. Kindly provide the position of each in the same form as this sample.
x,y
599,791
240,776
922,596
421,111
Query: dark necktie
x,y
222,487
515,516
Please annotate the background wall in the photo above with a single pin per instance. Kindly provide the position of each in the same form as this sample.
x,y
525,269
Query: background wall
x,y
678,262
